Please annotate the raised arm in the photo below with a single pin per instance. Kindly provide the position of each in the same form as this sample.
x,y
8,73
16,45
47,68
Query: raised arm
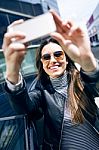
x,y
14,52
75,42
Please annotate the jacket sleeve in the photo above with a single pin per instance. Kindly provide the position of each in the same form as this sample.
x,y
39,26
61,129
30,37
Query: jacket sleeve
x,y
91,80
24,102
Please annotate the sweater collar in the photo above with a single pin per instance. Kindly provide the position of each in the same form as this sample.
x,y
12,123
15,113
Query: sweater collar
x,y
60,82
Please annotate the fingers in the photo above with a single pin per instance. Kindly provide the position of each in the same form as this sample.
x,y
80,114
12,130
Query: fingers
x,y
68,24
56,17
17,47
62,41
67,27
14,23
57,36
11,37
15,51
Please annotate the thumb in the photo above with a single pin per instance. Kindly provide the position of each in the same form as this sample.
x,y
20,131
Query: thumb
x,y
62,41
58,37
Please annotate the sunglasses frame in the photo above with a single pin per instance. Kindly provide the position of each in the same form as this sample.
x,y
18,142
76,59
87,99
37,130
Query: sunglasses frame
x,y
59,55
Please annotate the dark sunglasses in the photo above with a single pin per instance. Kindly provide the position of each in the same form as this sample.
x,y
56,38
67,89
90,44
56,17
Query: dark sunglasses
x,y
57,55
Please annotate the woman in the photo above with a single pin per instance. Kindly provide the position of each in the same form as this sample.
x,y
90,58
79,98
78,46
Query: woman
x,y
64,94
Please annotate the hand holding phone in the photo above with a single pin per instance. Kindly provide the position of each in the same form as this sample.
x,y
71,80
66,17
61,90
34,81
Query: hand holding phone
x,y
37,27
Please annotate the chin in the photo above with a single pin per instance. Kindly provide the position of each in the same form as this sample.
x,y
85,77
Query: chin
x,y
56,75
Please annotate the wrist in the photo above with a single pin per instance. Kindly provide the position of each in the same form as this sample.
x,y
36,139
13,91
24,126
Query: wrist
x,y
15,87
13,77
89,65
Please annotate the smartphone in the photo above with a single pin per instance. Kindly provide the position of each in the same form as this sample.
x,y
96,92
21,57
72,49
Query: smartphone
x,y
37,27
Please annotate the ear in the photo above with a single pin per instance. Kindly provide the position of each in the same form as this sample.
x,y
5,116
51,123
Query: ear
x,y
66,62
41,60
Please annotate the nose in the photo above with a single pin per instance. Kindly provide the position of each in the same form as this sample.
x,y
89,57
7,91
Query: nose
x,y
53,59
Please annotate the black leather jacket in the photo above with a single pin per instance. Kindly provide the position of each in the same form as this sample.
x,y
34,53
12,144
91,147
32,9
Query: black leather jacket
x,y
41,95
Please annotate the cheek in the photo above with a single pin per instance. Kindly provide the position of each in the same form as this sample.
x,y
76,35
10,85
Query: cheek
x,y
45,66
65,63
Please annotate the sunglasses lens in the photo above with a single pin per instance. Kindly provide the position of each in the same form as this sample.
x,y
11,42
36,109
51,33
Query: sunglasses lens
x,y
58,54
46,57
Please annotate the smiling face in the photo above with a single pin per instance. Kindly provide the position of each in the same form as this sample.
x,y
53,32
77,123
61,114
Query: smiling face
x,y
53,60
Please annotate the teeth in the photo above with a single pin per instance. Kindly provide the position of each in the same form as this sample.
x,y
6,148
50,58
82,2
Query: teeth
x,y
54,67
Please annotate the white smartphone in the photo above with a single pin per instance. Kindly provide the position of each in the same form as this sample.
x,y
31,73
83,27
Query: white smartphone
x,y
37,27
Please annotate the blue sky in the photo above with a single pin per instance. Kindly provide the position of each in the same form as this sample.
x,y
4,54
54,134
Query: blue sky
x,y
79,10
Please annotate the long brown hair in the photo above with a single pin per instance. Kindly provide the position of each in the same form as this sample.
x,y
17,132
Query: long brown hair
x,y
78,99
